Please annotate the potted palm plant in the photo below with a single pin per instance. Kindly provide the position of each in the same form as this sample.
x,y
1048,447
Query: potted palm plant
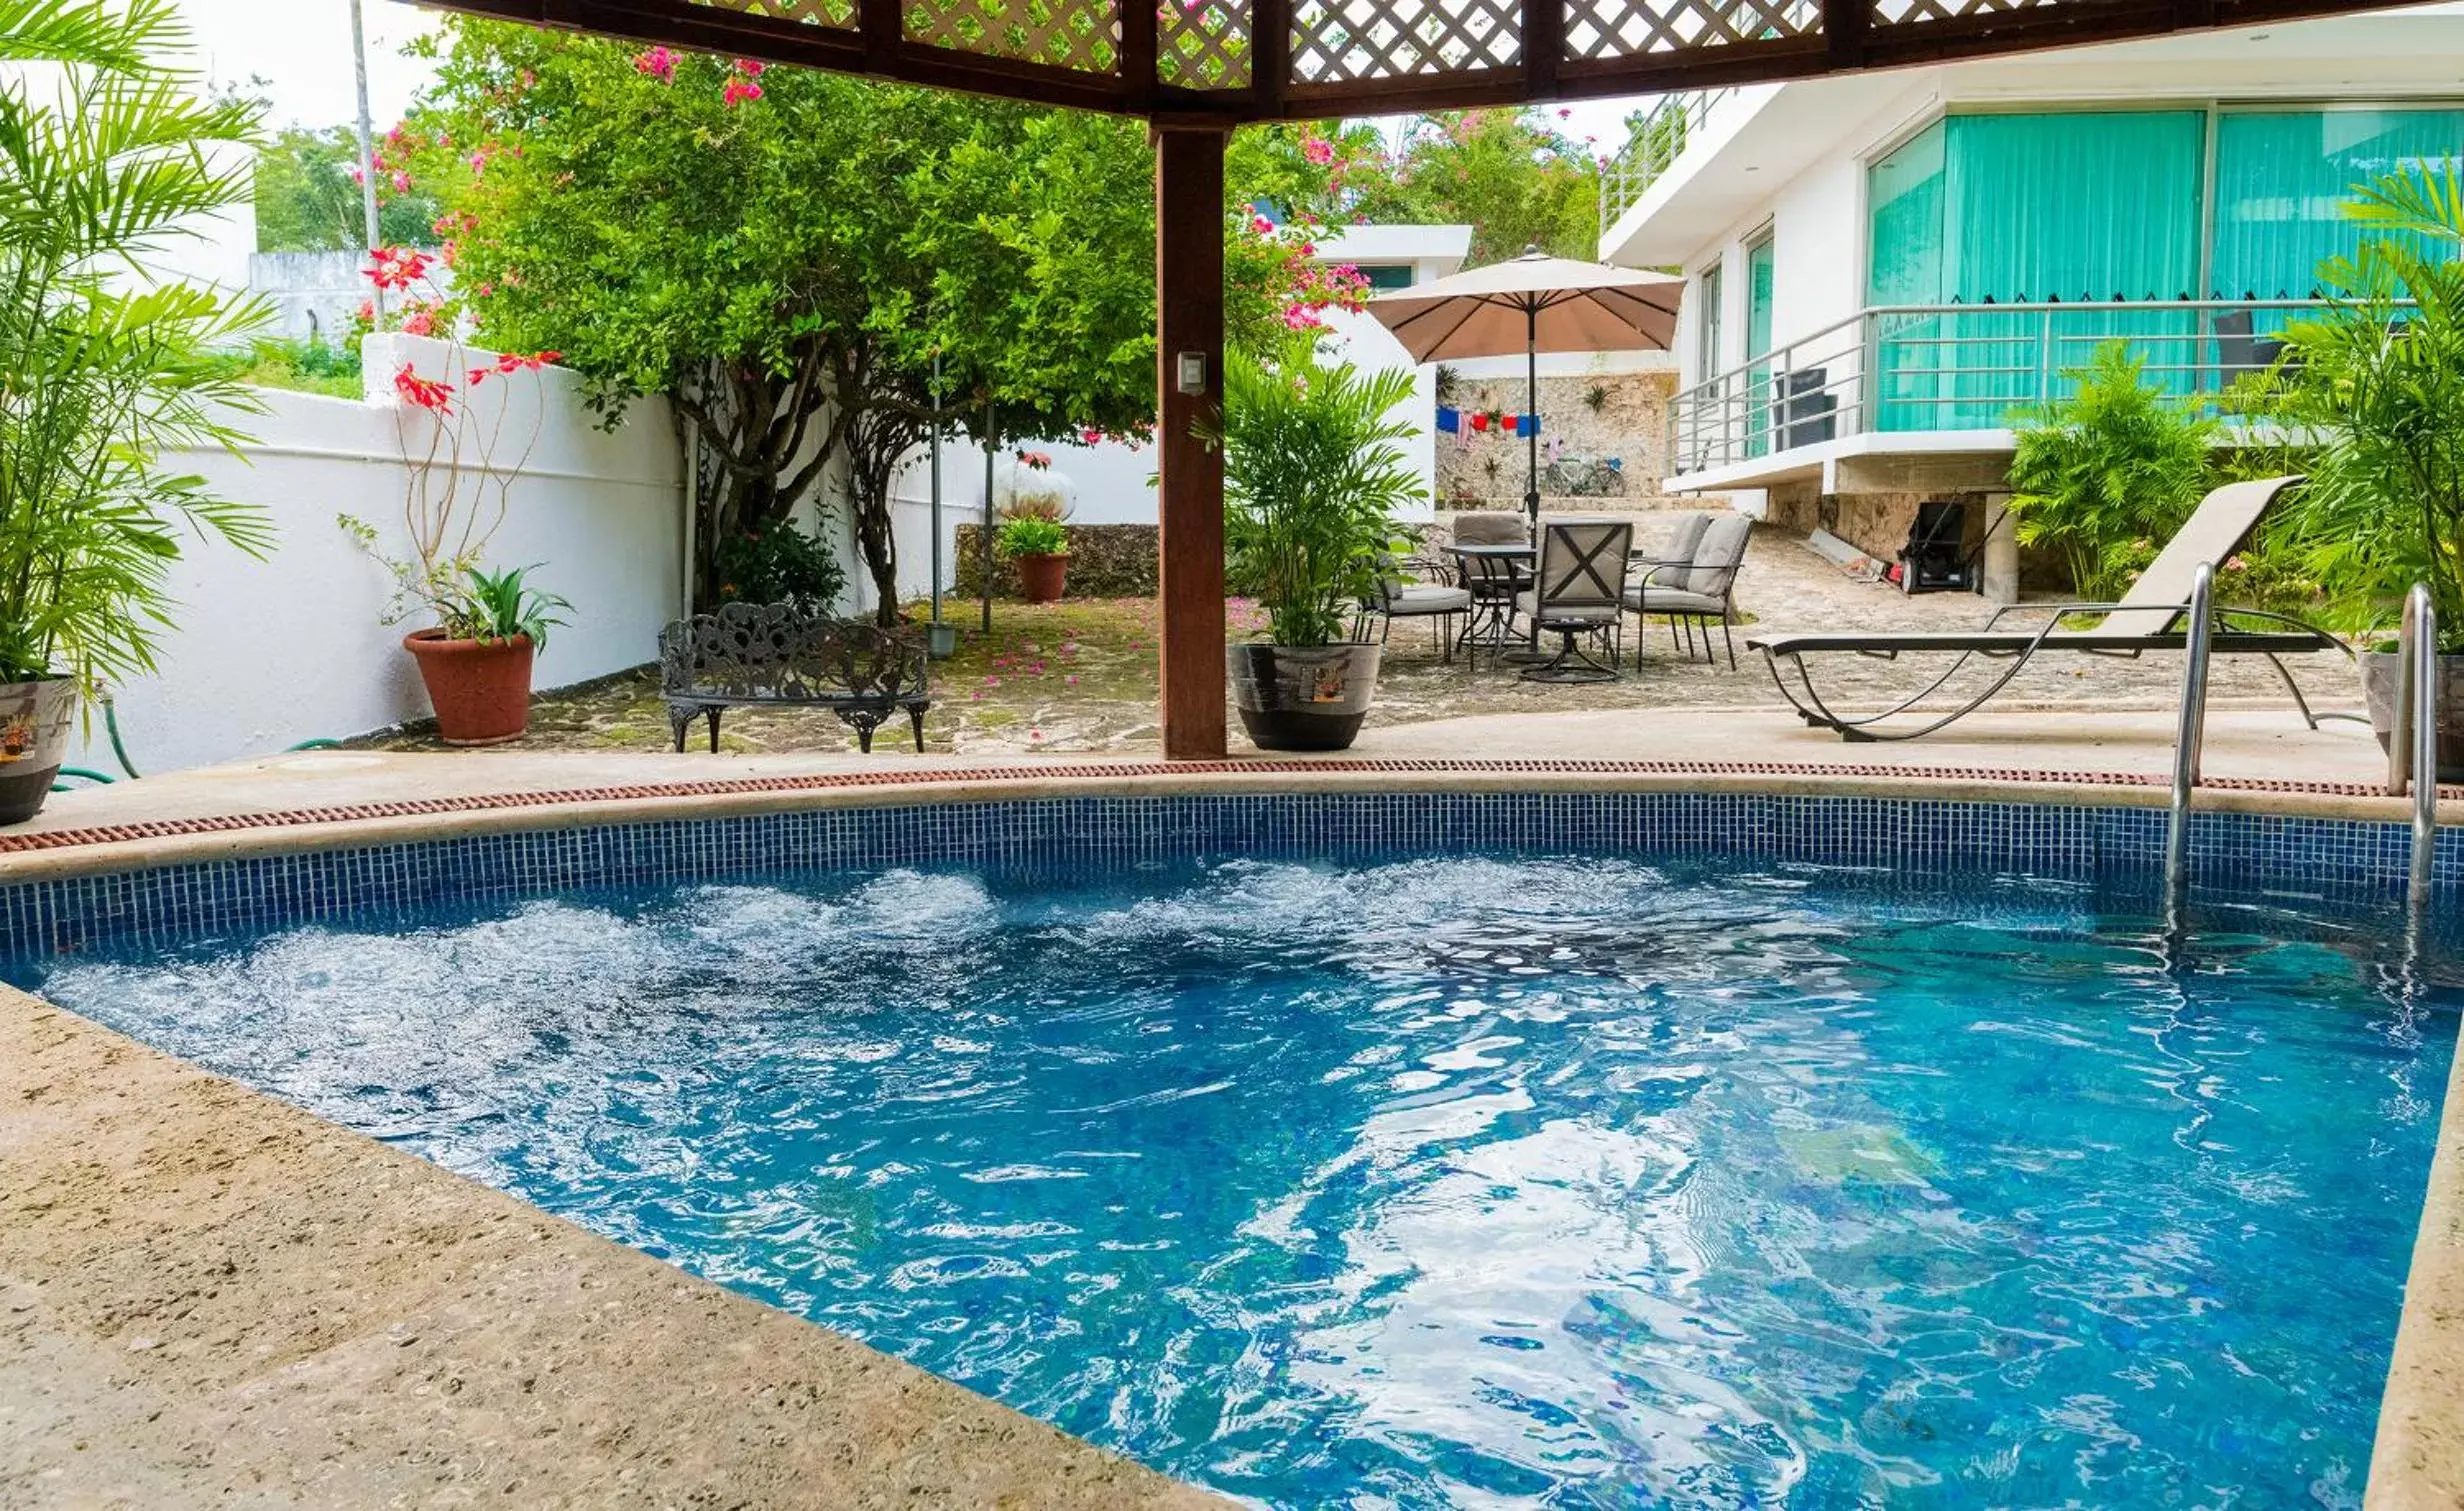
x,y
2372,392
104,376
1314,471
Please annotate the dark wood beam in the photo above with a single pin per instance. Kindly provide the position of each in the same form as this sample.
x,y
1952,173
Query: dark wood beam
x,y
1138,42
1270,56
1189,472
1544,46
1844,24
1851,41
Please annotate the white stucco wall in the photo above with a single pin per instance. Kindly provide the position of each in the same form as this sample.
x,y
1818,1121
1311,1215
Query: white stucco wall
x,y
266,654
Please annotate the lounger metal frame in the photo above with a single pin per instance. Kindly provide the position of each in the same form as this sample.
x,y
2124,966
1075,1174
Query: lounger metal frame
x,y
2298,639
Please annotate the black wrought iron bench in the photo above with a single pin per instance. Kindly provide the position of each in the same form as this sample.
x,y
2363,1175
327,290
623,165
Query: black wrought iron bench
x,y
771,656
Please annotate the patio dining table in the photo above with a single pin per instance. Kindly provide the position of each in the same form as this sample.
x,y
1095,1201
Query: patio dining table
x,y
1494,574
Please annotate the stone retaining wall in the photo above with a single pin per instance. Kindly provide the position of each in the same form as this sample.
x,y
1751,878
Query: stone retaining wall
x,y
1105,561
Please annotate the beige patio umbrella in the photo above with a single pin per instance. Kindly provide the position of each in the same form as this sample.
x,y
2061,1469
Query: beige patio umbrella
x,y
1533,304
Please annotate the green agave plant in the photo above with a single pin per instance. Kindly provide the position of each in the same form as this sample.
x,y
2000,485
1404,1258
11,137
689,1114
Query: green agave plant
x,y
105,155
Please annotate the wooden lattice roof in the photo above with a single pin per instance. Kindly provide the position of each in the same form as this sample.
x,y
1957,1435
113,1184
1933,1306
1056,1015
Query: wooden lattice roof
x,y
1236,60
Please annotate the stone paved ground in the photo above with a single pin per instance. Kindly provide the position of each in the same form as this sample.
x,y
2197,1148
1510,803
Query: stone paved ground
x,y
1080,675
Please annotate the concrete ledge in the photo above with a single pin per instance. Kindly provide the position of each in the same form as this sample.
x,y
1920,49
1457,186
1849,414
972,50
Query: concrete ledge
x,y
2417,1462
208,1296
259,834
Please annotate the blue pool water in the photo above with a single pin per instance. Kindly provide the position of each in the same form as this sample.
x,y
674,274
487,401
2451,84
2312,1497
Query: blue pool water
x,y
1446,1182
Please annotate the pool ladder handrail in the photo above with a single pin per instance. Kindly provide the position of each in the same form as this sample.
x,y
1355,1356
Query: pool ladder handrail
x,y
2412,746
2190,733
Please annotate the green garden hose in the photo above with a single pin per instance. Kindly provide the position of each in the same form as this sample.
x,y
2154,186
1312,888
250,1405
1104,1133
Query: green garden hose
x,y
119,750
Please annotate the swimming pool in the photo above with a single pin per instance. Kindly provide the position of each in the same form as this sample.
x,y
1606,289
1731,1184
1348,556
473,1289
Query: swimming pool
x,y
1512,1178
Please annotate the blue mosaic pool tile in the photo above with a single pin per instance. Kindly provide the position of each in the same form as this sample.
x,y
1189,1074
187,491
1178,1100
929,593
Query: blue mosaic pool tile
x,y
2332,860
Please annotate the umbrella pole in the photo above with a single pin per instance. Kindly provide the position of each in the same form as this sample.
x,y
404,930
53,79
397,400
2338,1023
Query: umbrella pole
x,y
1531,414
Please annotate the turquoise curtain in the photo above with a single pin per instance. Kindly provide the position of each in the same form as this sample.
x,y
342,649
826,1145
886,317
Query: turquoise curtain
x,y
1760,268
2282,178
2068,208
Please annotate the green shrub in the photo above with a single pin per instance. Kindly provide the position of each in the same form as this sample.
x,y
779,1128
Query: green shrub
x,y
2372,391
781,565
1031,535
2103,475
1313,474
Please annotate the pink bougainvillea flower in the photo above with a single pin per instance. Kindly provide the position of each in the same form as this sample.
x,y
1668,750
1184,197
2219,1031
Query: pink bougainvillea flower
x,y
741,91
423,393
1564,114
419,320
1089,437
1261,225
367,309
751,68
1302,318
659,63
1318,150
359,175
402,182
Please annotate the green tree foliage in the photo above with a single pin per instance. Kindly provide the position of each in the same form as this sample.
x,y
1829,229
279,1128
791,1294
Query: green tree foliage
x,y
2372,392
2099,475
1314,474
785,252
1509,174
107,150
308,196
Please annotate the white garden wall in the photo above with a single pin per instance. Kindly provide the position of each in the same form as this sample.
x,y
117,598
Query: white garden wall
x,y
266,654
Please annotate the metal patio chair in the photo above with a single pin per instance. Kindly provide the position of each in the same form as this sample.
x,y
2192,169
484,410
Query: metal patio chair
x,y
1705,593
1579,594
1405,590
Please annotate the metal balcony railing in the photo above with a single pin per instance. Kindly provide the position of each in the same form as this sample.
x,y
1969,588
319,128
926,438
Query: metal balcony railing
x,y
1937,367
1651,147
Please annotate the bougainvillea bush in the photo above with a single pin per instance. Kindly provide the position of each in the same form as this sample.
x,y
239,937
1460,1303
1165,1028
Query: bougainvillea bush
x,y
792,256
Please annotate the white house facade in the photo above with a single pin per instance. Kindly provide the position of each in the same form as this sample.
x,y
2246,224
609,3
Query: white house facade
x,y
1882,269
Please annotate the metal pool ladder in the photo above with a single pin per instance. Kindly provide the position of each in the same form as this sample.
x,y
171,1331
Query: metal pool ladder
x,y
2188,736
2412,751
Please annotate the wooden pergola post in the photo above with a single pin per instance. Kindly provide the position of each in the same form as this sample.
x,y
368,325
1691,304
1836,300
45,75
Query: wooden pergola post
x,y
1189,397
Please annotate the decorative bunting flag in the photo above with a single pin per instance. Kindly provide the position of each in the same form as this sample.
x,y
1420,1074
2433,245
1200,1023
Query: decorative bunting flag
x,y
1449,419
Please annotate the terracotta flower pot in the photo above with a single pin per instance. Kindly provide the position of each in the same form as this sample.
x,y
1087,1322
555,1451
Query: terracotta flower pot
x,y
34,725
1042,578
480,688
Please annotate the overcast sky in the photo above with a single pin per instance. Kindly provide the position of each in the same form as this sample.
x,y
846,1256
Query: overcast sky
x,y
302,49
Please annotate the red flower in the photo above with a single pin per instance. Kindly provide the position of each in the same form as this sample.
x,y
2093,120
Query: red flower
x,y
424,393
750,67
397,267
658,63
740,91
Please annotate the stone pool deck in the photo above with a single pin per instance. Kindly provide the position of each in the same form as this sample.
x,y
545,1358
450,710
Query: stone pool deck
x,y
207,1296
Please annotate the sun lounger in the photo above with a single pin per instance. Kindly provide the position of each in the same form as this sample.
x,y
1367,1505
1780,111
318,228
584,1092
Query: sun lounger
x,y
2152,616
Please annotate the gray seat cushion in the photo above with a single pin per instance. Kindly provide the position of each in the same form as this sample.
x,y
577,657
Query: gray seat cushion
x,y
1674,556
1717,556
1427,598
1673,601
1529,604
1493,528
